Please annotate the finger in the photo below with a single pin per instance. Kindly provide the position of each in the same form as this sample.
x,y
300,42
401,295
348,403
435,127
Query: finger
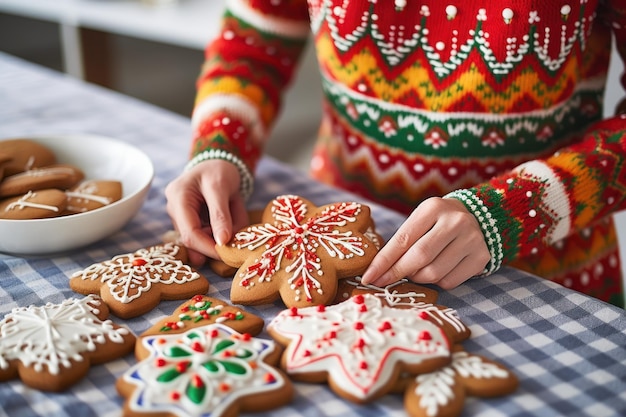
x,y
459,274
239,212
399,244
219,213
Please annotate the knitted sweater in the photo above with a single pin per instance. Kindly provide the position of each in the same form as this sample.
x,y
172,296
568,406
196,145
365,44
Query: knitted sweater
x,y
497,104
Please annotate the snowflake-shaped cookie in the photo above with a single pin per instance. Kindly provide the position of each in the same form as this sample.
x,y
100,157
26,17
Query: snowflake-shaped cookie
x,y
51,347
298,252
133,284
360,346
442,393
207,371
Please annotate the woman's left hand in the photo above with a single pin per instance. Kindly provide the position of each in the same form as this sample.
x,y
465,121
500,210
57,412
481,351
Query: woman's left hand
x,y
440,243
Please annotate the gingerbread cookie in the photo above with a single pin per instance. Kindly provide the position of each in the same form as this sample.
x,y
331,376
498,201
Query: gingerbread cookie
x,y
92,194
298,252
34,205
133,284
400,294
4,159
201,310
360,346
61,176
52,347
442,393
209,370
25,154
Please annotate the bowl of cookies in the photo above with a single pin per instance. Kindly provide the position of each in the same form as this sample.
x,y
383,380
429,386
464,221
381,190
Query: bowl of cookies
x,y
63,192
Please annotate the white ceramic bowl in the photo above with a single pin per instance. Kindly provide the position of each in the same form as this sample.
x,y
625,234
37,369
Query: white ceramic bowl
x,y
100,158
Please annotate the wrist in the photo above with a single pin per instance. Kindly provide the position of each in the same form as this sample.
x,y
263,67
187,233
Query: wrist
x,y
246,186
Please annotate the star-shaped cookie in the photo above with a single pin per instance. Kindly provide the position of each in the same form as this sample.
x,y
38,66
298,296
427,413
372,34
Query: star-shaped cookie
x,y
359,346
51,347
298,252
209,370
133,284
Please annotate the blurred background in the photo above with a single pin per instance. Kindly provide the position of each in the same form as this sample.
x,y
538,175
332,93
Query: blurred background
x,y
153,49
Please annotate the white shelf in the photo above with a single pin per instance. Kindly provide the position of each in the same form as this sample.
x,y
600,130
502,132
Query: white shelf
x,y
187,23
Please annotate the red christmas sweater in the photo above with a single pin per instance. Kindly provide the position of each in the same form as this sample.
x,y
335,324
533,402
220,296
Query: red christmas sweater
x,y
497,104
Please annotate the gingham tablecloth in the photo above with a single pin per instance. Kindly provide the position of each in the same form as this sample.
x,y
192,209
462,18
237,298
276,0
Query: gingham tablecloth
x,y
568,350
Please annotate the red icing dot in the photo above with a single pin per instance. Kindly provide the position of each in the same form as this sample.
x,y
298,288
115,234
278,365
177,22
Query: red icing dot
x,y
269,378
197,298
363,308
363,365
321,308
423,315
196,381
214,333
172,325
385,325
358,325
332,335
139,262
294,311
160,362
359,299
175,395
197,346
245,282
424,335
182,366
306,353
359,344
246,336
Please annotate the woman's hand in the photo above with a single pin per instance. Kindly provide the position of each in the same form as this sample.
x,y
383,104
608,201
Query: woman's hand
x,y
440,243
205,206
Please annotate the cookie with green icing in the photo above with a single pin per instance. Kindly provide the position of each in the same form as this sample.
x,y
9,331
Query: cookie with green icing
x,y
208,370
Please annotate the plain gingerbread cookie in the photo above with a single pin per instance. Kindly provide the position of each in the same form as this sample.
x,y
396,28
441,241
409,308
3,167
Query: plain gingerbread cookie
x,y
25,154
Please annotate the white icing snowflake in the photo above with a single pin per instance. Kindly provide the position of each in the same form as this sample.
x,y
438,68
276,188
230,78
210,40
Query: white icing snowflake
x,y
130,275
53,335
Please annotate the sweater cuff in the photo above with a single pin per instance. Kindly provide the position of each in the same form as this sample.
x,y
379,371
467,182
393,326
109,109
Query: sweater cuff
x,y
247,180
488,225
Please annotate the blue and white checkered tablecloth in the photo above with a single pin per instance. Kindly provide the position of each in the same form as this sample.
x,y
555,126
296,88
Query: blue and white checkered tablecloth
x,y
568,350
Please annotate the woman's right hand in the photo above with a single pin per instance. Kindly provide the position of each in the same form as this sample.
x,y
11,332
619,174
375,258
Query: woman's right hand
x,y
205,206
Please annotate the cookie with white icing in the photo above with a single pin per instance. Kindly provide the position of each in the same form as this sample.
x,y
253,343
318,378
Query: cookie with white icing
x,y
298,252
134,283
52,347
92,194
442,393
201,310
360,347
25,154
38,204
60,176
209,370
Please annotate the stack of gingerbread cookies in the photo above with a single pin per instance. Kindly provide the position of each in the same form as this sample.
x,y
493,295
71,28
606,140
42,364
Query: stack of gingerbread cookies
x,y
34,186
208,357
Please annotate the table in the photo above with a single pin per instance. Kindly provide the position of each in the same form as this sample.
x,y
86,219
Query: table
x,y
568,350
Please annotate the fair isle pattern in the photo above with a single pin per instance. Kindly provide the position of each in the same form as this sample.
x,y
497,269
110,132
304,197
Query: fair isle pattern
x,y
425,97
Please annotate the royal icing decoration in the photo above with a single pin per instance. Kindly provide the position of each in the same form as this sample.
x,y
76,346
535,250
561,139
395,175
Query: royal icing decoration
x,y
52,336
201,372
130,275
435,389
23,202
293,241
201,309
358,342
84,193
392,297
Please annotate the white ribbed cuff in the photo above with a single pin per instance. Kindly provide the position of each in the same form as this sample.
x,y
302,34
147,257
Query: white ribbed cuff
x,y
247,180
487,224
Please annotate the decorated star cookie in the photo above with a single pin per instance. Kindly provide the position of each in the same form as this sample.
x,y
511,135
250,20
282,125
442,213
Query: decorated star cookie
x,y
359,346
442,393
201,310
51,347
206,371
134,283
298,252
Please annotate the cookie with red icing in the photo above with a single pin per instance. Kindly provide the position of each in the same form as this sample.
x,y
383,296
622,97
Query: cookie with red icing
x,y
134,283
52,347
60,176
442,393
38,204
361,347
208,370
298,252
201,310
